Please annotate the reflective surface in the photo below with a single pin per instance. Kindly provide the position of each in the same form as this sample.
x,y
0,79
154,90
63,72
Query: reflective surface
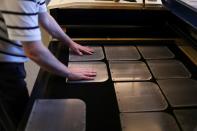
x,y
165,69
187,119
155,52
57,115
99,67
97,55
139,96
148,122
129,71
180,92
121,53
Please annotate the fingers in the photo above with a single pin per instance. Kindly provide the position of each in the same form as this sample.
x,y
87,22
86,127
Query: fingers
x,y
82,74
81,50
87,75
90,74
86,50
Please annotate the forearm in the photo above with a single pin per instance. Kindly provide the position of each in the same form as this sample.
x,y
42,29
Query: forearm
x,y
55,30
51,26
43,57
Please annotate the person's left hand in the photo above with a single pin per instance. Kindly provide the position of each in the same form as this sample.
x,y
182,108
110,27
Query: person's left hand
x,y
81,50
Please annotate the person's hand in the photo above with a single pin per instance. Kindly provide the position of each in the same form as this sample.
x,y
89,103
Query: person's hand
x,y
81,50
81,74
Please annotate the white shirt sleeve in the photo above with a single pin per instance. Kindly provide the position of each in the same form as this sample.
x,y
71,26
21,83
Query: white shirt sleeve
x,y
21,18
42,6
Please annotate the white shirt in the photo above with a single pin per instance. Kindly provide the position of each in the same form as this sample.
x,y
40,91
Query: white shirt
x,y
18,22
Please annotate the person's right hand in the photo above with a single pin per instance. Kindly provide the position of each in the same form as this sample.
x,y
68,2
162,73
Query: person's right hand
x,y
81,74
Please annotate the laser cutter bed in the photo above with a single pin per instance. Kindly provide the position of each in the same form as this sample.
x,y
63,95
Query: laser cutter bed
x,y
146,80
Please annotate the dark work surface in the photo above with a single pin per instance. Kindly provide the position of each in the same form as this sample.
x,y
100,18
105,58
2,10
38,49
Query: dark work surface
x,y
187,119
60,115
110,16
102,108
101,105
115,23
126,31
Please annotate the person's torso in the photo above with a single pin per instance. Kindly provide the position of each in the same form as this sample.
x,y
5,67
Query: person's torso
x,y
10,50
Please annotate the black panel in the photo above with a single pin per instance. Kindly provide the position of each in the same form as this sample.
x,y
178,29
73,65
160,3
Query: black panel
x,y
183,11
109,17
